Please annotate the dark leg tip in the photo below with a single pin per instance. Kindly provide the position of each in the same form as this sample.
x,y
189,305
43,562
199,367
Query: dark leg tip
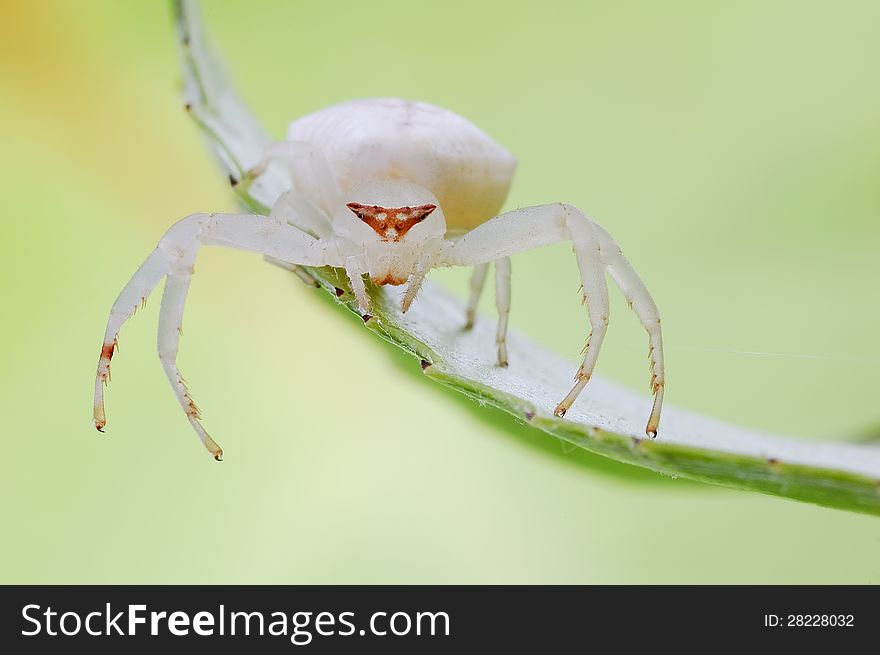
x,y
367,317
425,364
339,292
232,181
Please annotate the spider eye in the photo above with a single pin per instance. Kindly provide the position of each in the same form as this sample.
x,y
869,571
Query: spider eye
x,y
360,215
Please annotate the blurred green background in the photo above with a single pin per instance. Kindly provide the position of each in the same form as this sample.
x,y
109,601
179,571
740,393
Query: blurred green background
x,y
732,148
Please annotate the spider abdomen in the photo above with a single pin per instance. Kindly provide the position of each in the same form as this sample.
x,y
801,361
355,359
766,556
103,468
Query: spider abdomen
x,y
394,139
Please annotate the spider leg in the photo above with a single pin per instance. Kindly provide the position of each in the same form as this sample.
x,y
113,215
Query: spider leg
x,y
302,159
417,279
502,302
174,258
301,273
132,296
638,297
355,270
532,227
170,317
296,210
595,296
478,281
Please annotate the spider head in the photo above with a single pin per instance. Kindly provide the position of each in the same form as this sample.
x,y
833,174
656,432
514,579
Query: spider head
x,y
394,222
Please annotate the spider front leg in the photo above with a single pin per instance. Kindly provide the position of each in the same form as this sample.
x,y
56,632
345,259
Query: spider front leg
x,y
174,258
596,251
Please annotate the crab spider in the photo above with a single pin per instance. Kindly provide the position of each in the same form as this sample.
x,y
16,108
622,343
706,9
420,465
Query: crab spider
x,y
389,189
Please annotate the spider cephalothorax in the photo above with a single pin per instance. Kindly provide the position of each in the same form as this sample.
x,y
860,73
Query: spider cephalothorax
x,y
430,185
391,223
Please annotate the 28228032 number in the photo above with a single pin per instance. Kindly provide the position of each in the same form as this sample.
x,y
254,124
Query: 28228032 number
x,y
819,620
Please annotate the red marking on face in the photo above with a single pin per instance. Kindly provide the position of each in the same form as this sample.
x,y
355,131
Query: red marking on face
x,y
391,223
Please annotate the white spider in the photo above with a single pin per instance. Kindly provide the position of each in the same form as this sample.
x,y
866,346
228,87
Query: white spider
x,y
390,189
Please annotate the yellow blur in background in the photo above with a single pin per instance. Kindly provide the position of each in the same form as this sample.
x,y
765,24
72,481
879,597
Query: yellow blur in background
x,y
733,149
